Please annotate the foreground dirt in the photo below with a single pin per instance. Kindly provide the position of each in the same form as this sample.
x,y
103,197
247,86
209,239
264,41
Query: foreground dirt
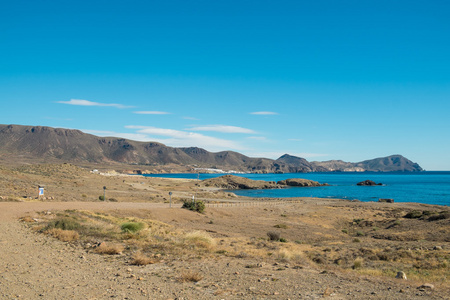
x,y
37,266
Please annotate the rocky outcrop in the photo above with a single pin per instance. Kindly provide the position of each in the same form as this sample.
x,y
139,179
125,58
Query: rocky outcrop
x,y
368,183
231,182
300,182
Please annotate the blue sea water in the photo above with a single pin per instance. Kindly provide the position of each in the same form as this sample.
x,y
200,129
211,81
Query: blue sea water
x,y
421,187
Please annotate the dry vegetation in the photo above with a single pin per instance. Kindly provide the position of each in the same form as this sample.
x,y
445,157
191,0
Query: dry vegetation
x,y
376,247
361,239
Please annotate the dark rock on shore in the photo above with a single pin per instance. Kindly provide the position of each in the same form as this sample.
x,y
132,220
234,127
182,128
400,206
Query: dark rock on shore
x,y
368,183
300,182
386,200
231,182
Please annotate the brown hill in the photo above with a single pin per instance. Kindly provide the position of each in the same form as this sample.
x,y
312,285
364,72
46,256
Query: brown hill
x,y
38,144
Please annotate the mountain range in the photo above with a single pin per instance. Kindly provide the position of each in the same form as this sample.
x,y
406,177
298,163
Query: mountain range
x,y
47,144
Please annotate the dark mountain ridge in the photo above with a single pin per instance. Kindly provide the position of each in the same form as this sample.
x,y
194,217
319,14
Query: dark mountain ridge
x,y
44,144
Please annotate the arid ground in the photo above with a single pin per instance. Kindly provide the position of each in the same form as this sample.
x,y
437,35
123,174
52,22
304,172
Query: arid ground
x,y
71,244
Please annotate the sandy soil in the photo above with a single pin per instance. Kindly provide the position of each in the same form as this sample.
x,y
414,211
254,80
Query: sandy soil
x,y
36,266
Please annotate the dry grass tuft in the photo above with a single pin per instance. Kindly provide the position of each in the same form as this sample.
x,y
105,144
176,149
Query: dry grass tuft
x,y
200,239
27,219
294,255
140,259
63,235
358,263
104,248
190,276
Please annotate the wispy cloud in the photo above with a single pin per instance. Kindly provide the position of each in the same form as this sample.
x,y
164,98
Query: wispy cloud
x,y
190,118
257,138
179,138
222,128
264,113
130,136
152,113
91,103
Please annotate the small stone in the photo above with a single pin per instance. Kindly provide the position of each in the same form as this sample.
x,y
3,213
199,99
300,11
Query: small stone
x,y
401,275
426,286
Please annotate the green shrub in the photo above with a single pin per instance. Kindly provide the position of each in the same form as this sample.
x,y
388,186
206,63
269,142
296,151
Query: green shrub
x,y
101,198
415,214
64,224
132,227
283,226
197,206
273,236
441,216
283,240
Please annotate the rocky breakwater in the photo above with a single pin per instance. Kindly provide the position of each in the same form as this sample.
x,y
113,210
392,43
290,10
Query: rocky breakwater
x,y
231,182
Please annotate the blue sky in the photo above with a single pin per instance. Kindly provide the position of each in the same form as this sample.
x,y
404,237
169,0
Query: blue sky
x,y
349,80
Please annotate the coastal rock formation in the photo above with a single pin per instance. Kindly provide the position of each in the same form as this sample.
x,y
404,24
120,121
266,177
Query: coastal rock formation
x,y
231,182
300,182
368,183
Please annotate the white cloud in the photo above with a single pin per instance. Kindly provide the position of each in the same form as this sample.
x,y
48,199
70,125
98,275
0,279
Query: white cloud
x,y
257,138
91,103
264,113
222,128
190,118
295,140
130,136
178,138
152,113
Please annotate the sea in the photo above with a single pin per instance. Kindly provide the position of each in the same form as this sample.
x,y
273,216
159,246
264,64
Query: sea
x,y
421,187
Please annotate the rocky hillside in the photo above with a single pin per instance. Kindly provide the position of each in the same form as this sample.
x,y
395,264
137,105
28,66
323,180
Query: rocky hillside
x,y
40,144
